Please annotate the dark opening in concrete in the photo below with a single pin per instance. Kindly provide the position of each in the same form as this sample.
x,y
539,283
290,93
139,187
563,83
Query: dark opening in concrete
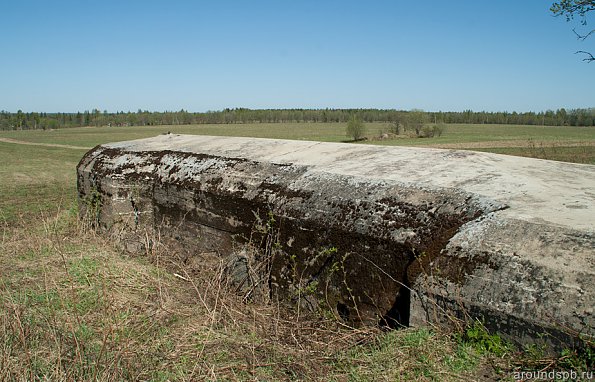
x,y
343,311
398,315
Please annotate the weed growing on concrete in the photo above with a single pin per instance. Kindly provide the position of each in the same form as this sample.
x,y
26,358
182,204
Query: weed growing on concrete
x,y
92,208
478,336
580,359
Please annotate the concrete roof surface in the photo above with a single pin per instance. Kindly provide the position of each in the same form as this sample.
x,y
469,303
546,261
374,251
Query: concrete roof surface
x,y
536,190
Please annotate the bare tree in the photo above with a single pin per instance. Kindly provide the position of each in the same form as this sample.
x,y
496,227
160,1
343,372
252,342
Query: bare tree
x,y
580,8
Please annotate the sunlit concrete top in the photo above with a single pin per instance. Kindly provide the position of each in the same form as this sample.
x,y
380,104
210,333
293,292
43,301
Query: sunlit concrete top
x,y
537,191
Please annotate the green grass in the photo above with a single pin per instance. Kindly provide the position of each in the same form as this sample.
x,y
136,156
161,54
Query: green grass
x,y
466,133
35,180
410,355
563,143
576,154
327,132
333,132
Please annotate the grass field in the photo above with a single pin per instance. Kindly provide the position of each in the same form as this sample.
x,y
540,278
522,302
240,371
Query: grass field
x,y
74,306
568,143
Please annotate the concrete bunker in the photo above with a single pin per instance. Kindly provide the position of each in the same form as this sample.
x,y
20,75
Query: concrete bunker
x,y
378,235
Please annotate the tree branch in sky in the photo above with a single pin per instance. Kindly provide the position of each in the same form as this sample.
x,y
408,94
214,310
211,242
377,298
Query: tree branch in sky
x,y
570,8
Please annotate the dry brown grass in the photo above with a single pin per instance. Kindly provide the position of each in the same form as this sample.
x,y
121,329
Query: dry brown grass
x,y
75,307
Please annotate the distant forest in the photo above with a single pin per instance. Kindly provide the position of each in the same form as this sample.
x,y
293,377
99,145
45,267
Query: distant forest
x,y
21,120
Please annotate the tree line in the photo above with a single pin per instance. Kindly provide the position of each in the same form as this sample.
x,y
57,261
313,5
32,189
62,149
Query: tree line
x,y
34,120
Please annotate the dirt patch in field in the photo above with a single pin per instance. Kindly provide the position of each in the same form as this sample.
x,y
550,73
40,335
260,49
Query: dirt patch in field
x,y
15,141
511,143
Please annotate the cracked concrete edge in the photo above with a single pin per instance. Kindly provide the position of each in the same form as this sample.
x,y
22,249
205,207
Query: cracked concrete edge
x,y
530,282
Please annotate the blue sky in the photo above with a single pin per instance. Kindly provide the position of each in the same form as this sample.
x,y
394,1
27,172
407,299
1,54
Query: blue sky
x,y
66,56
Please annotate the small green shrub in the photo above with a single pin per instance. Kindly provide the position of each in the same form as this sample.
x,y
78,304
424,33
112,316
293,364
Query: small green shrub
x,y
426,132
397,127
582,359
355,128
439,129
479,338
431,131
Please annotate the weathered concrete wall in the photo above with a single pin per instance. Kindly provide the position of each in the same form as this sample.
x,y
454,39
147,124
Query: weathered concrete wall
x,y
357,226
